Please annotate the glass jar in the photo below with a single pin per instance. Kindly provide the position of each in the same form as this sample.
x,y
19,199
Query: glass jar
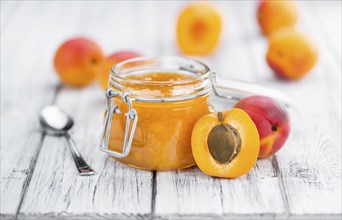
x,y
152,106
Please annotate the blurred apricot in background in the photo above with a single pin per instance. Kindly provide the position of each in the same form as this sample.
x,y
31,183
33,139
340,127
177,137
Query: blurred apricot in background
x,y
110,61
78,61
291,54
199,28
274,15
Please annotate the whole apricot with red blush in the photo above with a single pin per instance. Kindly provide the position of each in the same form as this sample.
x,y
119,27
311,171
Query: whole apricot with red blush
x,y
272,120
110,61
291,54
274,15
225,144
199,28
78,61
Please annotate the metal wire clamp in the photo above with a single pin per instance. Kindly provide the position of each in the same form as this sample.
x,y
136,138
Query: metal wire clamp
x,y
216,92
131,118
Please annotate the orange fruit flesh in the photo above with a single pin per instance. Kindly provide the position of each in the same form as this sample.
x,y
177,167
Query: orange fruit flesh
x,y
246,157
198,29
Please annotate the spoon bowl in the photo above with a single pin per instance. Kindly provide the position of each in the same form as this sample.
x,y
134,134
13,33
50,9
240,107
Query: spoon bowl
x,y
57,123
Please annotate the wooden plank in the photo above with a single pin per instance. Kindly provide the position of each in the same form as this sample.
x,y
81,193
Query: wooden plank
x,y
7,9
116,191
56,189
306,173
328,14
310,165
26,86
257,193
302,184
302,187
192,192
232,60
186,192
126,25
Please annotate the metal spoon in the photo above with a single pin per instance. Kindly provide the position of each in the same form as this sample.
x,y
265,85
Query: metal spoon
x,y
57,123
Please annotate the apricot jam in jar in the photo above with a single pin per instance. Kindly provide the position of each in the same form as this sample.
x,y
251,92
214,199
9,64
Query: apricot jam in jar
x,y
152,106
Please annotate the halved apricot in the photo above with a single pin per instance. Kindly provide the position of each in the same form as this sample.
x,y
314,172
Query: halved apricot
x,y
199,28
225,144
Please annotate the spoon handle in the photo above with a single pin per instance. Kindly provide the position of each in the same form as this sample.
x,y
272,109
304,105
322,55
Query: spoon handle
x,y
83,168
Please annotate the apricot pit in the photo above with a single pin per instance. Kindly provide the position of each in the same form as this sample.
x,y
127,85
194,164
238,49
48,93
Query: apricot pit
x,y
224,141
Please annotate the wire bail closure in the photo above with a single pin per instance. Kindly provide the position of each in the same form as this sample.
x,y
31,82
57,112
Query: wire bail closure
x,y
215,90
131,118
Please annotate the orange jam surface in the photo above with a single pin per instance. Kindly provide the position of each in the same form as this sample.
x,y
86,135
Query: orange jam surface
x,y
162,139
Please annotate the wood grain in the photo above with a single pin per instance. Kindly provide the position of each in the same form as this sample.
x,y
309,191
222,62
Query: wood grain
x,y
310,165
188,192
259,190
191,192
179,193
310,138
116,191
57,191
328,16
25,87
39,178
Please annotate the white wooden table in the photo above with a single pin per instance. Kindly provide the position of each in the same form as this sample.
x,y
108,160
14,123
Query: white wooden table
x,y
38,176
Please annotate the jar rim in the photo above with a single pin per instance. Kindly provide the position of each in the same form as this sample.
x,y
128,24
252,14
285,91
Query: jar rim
x,y
116,68
121,72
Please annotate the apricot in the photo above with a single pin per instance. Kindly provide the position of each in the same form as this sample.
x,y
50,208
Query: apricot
x,y
291,54
77,61
199,28
274,15
225,144
272,120
110,61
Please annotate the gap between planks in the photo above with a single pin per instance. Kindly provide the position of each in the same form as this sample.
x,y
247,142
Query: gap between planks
x,y
154,193
86,214
154,183
35,158
275,166
274,160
